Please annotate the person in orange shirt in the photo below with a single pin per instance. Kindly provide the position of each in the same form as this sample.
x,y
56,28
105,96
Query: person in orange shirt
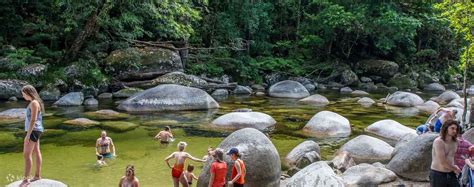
x,y
238,171
178,166
218,169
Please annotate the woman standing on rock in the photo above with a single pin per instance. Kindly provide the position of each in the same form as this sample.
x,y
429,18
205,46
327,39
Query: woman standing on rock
x,y
33,130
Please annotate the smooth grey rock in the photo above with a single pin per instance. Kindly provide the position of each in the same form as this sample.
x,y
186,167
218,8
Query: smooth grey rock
x,y
342,161
434,87
179,78
359,93
366,101
260,156
303,154
404,99
310,87
367,175
11,87
105,96
168,97
50,93
242,90
40,183
417,152
18,113
328,124
346,90
428,107
367,149
446,97
315,99
91,102
220,93
71,99
288,89
389,129
240,120
316,174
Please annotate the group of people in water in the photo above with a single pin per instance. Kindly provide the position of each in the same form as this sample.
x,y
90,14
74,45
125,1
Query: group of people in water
x,y
105,149
451,165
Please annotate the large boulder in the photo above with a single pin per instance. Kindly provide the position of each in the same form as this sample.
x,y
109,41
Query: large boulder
x,y
179,78
151,62
11,87
366,149
381,68
428,107
259,154
348,77
50,93
402,82
303,154
315,99
71,99
437,87
169,97
404,99
106,114
33,70
389,129
469,135
316,174
446,97
367,175
39,183
288,89
413,159
240,120
328,124
126,92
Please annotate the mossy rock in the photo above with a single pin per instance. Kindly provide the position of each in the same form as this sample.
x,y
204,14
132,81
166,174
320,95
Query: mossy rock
x,y
126,92
8,139
106,115
119,126
53,132
161,122
81,122
402,82
53,123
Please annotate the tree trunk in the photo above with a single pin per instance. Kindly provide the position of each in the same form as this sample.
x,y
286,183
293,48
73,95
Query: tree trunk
x,y
466,124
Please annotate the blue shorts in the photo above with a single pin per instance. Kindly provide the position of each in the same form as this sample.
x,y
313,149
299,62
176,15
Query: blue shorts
x,y
105,155
422,129
437,126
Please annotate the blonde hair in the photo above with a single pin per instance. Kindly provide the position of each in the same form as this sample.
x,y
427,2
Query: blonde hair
x,y
182,145
31,91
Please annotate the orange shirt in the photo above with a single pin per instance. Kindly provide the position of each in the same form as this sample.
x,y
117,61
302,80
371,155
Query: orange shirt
x,y
241,179
219,169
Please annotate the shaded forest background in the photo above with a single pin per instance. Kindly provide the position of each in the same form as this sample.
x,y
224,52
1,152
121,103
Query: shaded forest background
x,y
245,39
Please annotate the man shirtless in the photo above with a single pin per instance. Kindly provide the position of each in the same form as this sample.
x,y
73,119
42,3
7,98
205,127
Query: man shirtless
x,y
165,135
443,170
102,148
180,156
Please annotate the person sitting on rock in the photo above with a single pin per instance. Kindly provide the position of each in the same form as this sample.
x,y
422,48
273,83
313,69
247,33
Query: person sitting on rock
x,y
442,115
103,149
129,180
210,152
180,156
165,136
187,177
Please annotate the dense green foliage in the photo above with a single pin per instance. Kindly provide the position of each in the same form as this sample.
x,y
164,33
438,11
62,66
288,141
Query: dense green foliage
x,y
248,38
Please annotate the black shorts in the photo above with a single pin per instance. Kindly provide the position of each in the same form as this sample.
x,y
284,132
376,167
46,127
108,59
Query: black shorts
x,y
443,179
35,135
238,185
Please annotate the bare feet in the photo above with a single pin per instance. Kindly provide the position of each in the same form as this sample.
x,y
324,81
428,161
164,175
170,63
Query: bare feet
x,y
24,183
35,179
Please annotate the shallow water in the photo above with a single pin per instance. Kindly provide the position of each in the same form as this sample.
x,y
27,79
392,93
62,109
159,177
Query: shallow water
x,y
69,156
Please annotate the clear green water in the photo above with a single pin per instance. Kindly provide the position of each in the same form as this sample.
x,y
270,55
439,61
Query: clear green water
x,y
68,154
